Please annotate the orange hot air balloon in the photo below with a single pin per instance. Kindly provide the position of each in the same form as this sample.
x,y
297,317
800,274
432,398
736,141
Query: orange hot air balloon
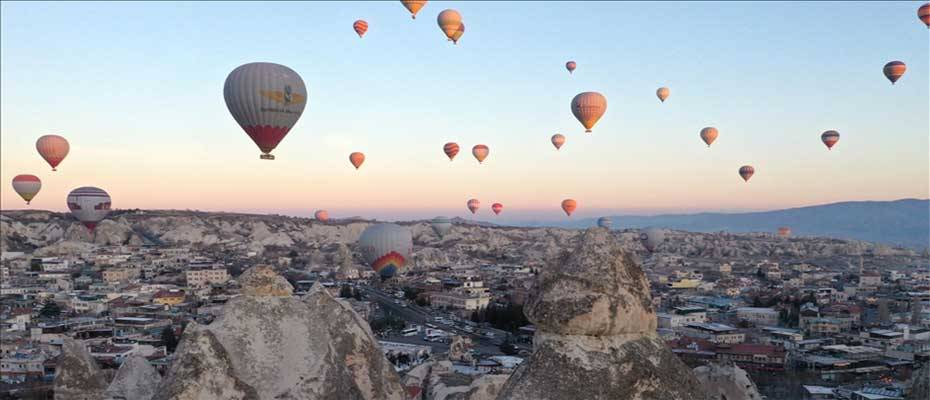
x,y
569,206
473,205
589,107
480,152
497,208
53,149
570,66
413,6
321,215
709,134
451,149
784,231
449,21
356,159
662,93
924,14
746,172
458,33
558,140
830,138
360,27
894,71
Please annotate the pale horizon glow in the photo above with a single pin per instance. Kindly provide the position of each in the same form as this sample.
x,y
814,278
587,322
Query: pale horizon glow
x,y
137,90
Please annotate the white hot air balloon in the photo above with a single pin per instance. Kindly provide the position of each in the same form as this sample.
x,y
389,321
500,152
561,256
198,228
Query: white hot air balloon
x,y
441,225
386,248
89,205
605,222
266,100
652,238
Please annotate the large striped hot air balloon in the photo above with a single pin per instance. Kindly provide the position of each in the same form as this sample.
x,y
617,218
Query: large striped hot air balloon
x,y
924,14
652,238
829,138
53,149
473,205
569,206
356,158
458,33
441,225
605,222
266,100
558,140
321,215
89,205
451,149
894,70
360,27
784,231
480,152
413,6
746,172
588,108
27,186
570,66
662,93
497,208
449,21
709,134
386,248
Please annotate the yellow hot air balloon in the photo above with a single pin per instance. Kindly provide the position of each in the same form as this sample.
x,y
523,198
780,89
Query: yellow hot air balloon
x,y
413,6
449,21
662,93
589,107
458,33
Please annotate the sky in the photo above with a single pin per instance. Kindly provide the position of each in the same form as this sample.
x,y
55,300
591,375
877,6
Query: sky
x,y
137,89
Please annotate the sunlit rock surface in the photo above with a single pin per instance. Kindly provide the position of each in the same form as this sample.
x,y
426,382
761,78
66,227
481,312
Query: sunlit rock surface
x,y
726,381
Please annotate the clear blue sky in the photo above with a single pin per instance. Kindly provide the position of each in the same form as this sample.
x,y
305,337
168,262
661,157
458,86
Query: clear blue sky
x,y
137,89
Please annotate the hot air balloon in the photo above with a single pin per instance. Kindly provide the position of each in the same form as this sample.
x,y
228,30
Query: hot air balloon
x,y
413,6
266,100
441,225
662,93
497,208
451,149
321,215
89,205
386,247
605,222
709,134
894,71
924,14
830,138
473,205
356,159
53,149
569,206
652,238
784,231
360,27
480,152
27,186
589,107
570,66
458,33
449,21
558,140
746,172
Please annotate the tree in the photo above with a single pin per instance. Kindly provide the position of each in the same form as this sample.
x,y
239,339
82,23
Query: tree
x,y
507,347
345,292
292,254
169,339
50,310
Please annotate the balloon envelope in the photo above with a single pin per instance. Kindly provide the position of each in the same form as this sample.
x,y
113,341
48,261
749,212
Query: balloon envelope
x,y
360,27
53,149
386,248
924,14
570,66
558,140
266,100
480,152
605,222
357,159
784,231
829,138
894,71
321,215
588,108
413,6
662,93
449,21
441,225
709,134
89,205
27,186
652,238
746,172
569,206
497,208
458,33
451,149
473,205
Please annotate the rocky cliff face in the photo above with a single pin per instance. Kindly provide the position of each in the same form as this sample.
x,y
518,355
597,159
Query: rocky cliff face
x,y
268,345
726,381
136,379
77,376
595,334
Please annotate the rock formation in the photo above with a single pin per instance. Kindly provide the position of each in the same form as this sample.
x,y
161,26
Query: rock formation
x,y
136,379
77,376
595,332
443,383
726,382
459,349
268,345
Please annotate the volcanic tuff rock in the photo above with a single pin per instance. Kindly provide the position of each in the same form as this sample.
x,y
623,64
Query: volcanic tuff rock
x,y
288,348
136,379
726,381
595,331
77,376
263,281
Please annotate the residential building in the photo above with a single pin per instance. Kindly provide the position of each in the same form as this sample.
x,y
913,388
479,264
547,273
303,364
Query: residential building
x,y
763,316
201,277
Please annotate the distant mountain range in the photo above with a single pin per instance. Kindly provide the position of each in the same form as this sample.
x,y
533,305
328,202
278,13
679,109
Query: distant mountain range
x,y
903,222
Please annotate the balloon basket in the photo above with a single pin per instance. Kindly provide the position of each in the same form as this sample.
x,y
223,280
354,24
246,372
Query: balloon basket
x,y
266,156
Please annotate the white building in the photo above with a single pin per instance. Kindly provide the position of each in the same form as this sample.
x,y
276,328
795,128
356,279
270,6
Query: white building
x,y
758,315
206,277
